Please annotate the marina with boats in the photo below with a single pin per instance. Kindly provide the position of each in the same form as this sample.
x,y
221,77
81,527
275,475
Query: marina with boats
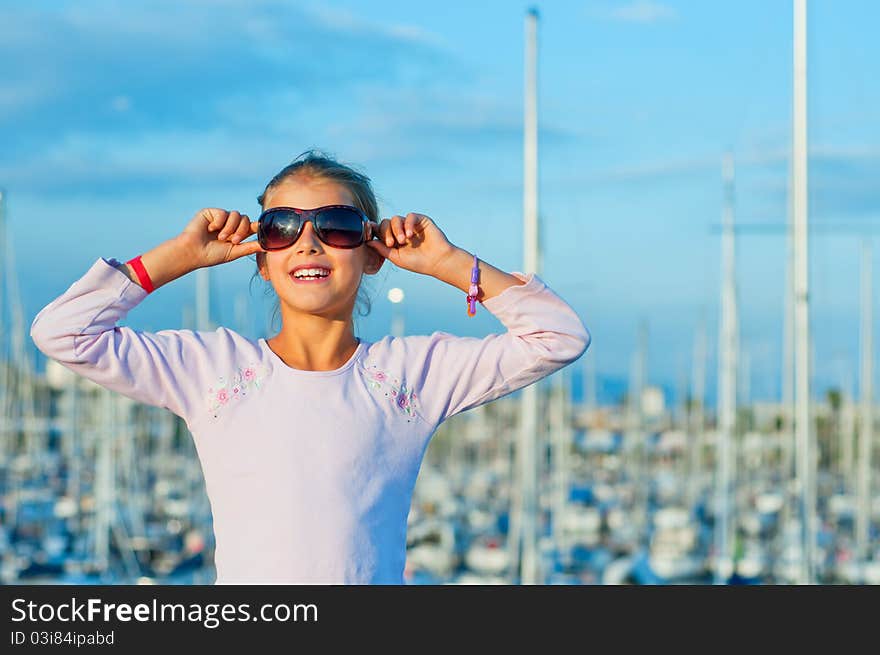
x,y
544,486
99,489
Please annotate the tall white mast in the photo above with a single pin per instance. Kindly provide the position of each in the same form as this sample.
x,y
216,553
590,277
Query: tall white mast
x,y
744,379
6,273
727,364
5,372
590,392
560,425
203,299
528,436
104,482
788,445
803,432
866,431
530,145
242,314
637,437
697,414
847,429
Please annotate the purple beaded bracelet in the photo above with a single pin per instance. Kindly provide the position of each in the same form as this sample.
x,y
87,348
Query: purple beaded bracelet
x,y
474,290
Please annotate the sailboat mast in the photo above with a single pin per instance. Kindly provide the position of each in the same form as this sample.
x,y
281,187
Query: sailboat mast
x,y
528,437
203,299
787,428
696,414
590,393
3,263
6,450
727,366
803,436
866,429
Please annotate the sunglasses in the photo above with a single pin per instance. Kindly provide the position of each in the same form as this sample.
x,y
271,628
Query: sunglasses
x,y
340,226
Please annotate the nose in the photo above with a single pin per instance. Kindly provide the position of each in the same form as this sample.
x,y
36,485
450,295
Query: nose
x,y
308,241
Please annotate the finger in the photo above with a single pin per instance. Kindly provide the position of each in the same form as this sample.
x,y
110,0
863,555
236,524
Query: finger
x,y
381,248
385,233
409,225
246,248
397,228
216,218
232,222
243,231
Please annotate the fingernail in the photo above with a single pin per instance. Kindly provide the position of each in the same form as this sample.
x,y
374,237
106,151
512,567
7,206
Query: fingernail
x,y
409,233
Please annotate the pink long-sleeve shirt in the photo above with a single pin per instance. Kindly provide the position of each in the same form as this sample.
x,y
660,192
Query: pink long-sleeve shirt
x,y
310,474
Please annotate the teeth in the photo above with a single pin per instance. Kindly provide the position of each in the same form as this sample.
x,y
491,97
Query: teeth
x,y
311,272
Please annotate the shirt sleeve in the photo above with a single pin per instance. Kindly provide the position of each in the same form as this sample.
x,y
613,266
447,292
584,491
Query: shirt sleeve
x,y
452,374
79,330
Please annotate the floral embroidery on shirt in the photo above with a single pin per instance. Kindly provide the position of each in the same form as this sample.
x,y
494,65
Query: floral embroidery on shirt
x,y
405,400
238,385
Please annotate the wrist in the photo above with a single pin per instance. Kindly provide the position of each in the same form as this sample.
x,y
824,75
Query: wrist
x,y
164,263
455,268
186,253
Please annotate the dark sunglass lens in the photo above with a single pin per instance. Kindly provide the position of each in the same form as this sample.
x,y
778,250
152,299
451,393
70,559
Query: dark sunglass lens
x,y
279,229
340,227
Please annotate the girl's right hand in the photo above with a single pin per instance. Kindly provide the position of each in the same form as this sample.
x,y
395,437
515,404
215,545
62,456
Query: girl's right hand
x,y
215,236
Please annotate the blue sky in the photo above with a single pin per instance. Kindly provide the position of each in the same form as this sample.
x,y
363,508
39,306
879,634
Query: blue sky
x,y
119,120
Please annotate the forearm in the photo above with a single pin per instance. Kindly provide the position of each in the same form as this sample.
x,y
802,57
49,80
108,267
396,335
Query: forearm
x,y
456,270
164,263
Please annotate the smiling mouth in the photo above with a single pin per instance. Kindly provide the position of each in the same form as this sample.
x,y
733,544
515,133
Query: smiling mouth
x,y
310,279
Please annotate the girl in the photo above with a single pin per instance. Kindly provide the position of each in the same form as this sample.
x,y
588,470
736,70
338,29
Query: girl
x,y
311,441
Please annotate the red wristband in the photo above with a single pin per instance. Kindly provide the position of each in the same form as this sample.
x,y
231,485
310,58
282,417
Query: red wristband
x,y
143,276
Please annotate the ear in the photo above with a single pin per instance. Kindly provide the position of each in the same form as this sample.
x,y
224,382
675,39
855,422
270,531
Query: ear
x,y
374,261
261,265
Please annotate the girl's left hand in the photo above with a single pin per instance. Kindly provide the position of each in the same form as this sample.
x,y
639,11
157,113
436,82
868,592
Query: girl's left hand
x,y
414,243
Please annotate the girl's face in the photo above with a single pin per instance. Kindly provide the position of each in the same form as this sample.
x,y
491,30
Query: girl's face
x,y
333,297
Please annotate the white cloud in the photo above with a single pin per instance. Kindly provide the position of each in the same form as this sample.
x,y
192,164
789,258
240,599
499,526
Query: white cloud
x,y
165,157
19,96
346,21
129,92
121,104
657,169
166,54
641,11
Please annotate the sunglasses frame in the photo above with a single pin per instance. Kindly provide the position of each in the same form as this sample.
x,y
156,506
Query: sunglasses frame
x,y
307,215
